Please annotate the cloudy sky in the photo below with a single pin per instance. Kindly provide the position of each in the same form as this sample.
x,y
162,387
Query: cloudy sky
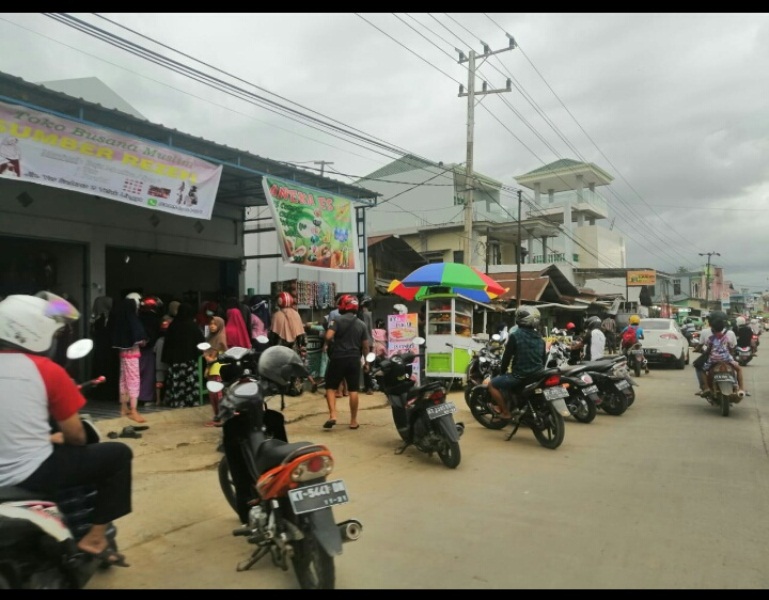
x,y
673,106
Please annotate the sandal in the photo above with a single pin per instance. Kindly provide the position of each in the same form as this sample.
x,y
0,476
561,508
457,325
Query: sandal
x,y
130,432
108,557
329,424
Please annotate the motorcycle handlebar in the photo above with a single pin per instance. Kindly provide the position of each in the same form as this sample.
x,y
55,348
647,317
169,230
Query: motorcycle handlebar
x,y
92,383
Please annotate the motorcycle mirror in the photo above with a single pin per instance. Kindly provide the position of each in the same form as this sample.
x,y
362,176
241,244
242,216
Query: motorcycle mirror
x,y
246,390
418,341
79,349
370,357
262,339
214,386
203,346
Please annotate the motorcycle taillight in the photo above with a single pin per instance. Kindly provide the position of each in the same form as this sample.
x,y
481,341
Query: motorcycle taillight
x,y
437,396
552,380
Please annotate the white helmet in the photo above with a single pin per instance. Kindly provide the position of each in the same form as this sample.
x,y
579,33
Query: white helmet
x,y
400,309
30,322
740,321
136,297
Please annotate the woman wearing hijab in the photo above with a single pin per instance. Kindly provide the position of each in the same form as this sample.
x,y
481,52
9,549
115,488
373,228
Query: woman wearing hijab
x,y
217,339
104,360
180,353
128,337
237,332
287,327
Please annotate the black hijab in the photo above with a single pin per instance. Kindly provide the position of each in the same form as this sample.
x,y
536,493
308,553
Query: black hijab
x,y
128,329
182,337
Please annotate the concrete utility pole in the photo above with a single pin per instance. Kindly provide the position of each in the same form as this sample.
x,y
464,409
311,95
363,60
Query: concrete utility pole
x,y
707,278
322,164
471,93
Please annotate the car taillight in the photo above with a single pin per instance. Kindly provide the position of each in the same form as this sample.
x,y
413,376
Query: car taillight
x,y
552,380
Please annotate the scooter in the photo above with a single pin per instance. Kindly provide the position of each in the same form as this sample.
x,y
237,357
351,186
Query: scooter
x,y
636,359
279,489
39,535
422,415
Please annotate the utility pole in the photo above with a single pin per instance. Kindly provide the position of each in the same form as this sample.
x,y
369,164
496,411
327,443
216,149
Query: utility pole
x,y
471,94
322,164
707,278
518,258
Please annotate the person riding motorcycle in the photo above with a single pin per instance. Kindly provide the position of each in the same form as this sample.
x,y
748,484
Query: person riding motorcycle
x,y
34,391
525,348
744,333
595,339
718,348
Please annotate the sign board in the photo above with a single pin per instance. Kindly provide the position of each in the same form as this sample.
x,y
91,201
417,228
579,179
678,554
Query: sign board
x,y
401,331
316,229
42,148
639,278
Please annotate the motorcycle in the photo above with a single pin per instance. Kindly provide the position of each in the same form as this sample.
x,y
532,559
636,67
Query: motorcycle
x,y
484,361
279,489
743,355
723,390
422,415
39,535
583,400
540,406
636,359
615,385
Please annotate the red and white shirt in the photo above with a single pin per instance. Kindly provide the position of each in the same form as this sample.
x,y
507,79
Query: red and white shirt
x,y
32,389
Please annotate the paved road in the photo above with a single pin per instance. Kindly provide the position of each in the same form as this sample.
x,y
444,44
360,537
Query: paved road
x,y
670,495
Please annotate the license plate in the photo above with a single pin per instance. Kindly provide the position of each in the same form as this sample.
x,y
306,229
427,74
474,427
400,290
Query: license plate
x,y
439,410
317,496
650,351
722,377
555,392
622,384
591,389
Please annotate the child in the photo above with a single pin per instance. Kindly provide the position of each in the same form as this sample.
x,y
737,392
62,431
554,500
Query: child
x,y
217,339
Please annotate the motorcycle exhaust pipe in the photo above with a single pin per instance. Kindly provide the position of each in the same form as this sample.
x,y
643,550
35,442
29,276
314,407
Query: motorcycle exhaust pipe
x,y
350,530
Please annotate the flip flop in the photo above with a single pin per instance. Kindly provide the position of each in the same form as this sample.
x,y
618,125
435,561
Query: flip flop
x,y
354,426
130,432
329,424
108,557
140,427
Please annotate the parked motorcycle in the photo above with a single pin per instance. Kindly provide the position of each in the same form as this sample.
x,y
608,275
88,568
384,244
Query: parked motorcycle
x,y
39,535
422,415
279,489
583,400
724,390
540,406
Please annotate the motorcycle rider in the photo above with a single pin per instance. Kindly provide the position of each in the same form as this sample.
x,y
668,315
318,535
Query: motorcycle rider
x,y
718,347
743,332
34,391
596,339
525,348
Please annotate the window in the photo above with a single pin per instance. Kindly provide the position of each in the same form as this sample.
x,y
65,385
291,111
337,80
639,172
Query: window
x,y
495,253
676,287
459,256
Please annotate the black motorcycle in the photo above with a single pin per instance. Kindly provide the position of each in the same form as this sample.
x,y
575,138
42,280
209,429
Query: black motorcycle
x,y
422,415
279,489
484,363
615,385
39,535
540,406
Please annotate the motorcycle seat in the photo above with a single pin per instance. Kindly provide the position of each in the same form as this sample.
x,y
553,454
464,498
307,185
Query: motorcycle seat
x,y
14,493
272,452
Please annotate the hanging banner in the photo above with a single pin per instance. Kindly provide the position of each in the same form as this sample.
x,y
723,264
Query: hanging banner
x,y
315,229
401,331
48,150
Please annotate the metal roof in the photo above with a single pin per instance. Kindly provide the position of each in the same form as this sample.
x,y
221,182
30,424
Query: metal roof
x,y
241,181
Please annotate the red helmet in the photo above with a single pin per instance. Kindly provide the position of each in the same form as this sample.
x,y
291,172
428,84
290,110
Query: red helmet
x,y
285,299
348,303
570,326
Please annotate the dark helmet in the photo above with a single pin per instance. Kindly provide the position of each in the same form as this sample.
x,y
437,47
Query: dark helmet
x,y
593,322
279,364
527,316
717,320
365,301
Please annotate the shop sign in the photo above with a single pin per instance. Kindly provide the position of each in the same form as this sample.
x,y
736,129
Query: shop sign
x,y
315,229
42,148
638,278
401,331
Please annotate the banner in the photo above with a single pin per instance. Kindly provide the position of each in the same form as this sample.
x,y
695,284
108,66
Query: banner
x,y
401,331
315,229
636,278
41,148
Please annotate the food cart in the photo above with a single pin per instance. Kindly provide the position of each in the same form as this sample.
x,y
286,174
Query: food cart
x,y
450,341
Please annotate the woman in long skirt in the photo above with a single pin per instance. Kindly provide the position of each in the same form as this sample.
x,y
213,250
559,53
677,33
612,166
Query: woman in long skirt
x,y
181,354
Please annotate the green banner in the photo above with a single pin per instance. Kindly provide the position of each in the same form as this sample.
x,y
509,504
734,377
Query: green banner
x,y
315,229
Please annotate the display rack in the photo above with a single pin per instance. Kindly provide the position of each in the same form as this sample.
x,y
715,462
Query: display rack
x,y
449,342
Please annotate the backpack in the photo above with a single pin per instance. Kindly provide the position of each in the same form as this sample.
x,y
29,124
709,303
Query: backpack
x,y
629,337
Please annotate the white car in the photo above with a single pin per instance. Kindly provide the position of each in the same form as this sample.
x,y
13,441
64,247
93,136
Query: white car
x,y
664,343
